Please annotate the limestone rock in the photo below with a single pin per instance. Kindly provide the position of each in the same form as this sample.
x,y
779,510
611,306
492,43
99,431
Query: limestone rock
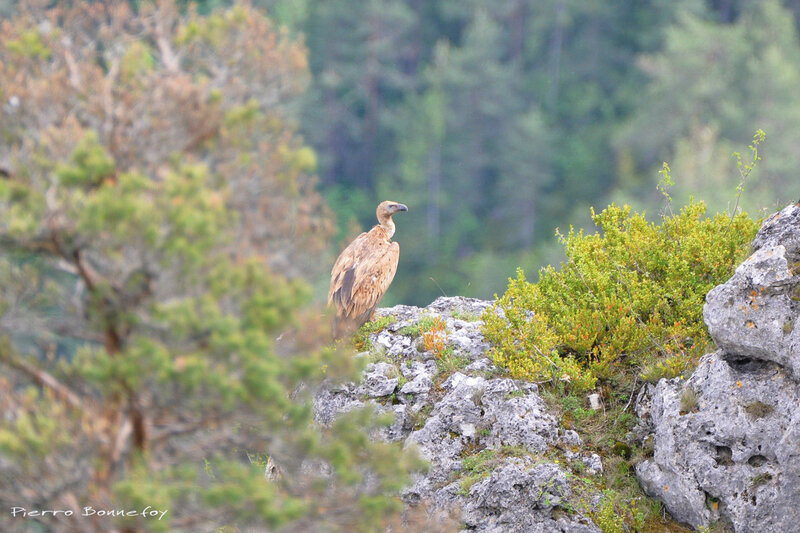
x,y
380,379
330,403
753,314
739,449
780,228
734,453
509,498
448,418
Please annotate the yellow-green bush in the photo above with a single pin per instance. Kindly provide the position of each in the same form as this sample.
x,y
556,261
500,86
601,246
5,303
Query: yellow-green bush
x,y
630,295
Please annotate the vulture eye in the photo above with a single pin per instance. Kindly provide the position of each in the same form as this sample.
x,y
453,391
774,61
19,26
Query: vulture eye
x,y
394,206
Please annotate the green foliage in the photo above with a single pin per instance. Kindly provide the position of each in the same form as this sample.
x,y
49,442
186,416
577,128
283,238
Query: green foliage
x,y
658,369
476,467
760,479
411,331
628,296
465,316
161,339
29,44
418,418
665,183
361,340
709,82
180,225
448,362
425,323
495,121
32,433
745,168
89,164
433,330
137,61
613,497
614,514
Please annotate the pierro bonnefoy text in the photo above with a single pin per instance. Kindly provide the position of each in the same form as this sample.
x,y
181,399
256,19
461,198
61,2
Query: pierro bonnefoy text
x,y
147,512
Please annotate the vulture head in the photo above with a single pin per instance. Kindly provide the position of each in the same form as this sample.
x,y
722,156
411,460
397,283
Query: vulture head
x,y
388,208
385,211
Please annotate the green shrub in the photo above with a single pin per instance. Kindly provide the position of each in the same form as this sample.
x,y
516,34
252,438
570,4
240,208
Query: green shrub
x,y
614,513
628,297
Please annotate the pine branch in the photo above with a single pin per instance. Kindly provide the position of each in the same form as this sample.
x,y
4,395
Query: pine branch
x,y
41,377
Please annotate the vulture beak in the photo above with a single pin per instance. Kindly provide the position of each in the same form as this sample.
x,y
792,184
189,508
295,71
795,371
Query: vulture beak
x,y
402,207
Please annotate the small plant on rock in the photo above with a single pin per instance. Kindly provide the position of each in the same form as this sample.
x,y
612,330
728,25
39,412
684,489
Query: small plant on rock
x,y
614,513
759,409
466,316
760,479
688,400
434,336
361,341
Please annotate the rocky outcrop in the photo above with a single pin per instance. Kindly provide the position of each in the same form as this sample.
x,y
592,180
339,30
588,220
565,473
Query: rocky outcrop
x,y
486,437
753,314
726,442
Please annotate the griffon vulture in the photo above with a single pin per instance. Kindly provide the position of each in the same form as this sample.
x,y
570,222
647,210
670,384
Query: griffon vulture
x,y
363,272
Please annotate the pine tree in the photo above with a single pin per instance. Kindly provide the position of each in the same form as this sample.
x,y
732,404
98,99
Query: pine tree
x,y
153,225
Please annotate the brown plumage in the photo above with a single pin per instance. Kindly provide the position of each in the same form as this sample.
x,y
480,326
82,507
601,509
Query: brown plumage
x,y
363,272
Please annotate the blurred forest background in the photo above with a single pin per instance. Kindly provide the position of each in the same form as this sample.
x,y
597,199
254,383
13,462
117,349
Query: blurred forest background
x,y
498,122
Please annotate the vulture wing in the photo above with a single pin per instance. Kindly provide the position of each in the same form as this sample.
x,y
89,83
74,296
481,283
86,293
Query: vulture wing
x,y
343,272
361,275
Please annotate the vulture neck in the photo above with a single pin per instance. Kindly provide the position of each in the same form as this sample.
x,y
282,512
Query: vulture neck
x,y
387,224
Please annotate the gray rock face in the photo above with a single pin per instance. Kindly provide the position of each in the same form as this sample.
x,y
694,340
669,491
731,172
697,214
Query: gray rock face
x,y
738,450
780,228
480,413
329,403
753,314
517,497
379,380
451,416
735,455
